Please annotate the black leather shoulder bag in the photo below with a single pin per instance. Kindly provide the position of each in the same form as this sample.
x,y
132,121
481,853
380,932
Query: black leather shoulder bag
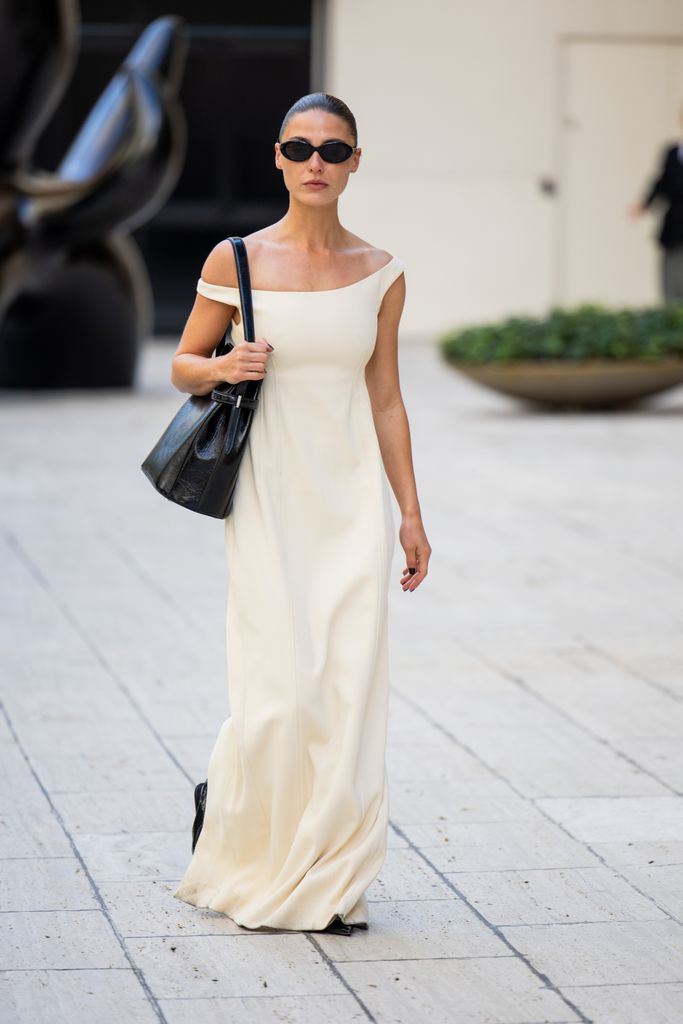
x,y
196,460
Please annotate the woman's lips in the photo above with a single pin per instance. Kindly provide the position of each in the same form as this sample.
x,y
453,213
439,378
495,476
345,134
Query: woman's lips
x,y
315,184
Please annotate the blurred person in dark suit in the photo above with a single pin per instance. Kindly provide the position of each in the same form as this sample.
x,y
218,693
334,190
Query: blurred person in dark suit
x,y
668,186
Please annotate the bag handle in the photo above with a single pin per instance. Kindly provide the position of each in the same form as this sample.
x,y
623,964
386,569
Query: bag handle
x,y
245,392
244,281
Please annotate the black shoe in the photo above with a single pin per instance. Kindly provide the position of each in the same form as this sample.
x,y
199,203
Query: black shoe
x,y
200,807
361,924
338,927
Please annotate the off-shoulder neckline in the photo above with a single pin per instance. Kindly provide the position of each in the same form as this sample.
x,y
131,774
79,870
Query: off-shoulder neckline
x,y
306,291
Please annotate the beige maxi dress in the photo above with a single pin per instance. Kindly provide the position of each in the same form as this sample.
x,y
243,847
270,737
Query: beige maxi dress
x,y
296,817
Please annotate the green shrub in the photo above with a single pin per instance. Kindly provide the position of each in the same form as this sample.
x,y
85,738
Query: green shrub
x,y
589,331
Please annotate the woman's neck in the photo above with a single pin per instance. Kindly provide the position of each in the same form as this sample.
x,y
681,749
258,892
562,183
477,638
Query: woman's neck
x,y
314,230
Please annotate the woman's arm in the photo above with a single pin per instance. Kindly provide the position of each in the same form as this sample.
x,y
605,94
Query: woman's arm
x,y
194,369
393,433
660,185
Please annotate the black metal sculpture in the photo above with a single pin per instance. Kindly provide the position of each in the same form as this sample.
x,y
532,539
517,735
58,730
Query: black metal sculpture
x,y
75,298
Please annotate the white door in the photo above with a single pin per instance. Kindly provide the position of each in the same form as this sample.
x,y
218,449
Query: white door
x,y
620,106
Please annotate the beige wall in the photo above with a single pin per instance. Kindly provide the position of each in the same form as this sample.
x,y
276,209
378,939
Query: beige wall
x,y
459,107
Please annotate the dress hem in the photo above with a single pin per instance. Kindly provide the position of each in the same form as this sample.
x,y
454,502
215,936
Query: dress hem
x,y
346,918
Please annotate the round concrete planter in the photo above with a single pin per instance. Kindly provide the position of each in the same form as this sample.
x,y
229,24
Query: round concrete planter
x,y
591,382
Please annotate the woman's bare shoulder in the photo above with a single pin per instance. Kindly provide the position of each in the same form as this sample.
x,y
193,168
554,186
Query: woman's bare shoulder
x,y
373,257
220,267
381,257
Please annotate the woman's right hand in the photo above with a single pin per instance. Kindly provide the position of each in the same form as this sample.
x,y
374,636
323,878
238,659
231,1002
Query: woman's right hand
x,y
246,361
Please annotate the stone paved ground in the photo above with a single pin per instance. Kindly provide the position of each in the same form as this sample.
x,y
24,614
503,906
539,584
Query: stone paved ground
x,y
536,755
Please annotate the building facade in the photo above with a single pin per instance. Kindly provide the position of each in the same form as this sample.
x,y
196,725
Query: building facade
x,y
503,141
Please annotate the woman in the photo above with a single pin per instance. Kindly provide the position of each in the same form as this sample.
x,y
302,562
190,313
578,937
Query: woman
x,y
296,814
668,188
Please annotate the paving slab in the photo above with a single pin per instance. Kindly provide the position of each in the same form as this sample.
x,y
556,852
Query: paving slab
x,y
336,1008
558,896
58,939
74,995
633,952
45,884
622,819
476,990
193,966
135,855
524,845
629,1004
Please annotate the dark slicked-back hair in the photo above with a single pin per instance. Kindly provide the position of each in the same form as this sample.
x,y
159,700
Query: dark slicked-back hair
x,y
321,101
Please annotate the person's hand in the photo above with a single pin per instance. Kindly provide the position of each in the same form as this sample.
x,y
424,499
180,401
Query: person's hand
x,y
635,210
246,361
417,548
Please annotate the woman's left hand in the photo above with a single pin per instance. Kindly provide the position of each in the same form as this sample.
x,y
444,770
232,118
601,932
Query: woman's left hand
x,y
417,548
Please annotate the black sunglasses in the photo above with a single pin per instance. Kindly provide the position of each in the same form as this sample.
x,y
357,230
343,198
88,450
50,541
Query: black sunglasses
x,y
331,152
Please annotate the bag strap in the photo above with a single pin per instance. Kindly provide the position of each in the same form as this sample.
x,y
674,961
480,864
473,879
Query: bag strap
x,y
246,392
244,282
